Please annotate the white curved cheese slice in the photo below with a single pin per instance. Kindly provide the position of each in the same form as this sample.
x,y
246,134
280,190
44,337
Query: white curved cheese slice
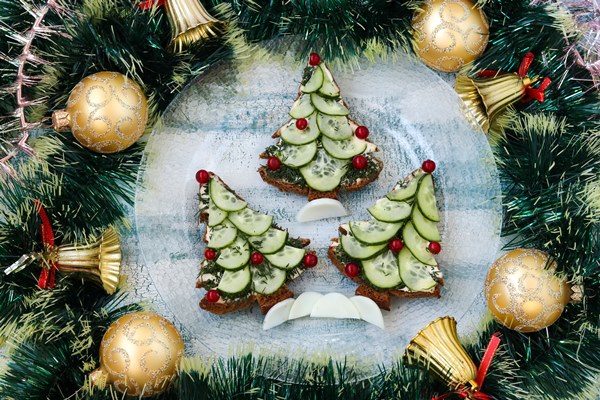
x,y
321,209
304,304
334,305
278,314
368,310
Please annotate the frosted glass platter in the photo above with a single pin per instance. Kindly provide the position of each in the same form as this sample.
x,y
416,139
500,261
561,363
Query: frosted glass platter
x,y
224,119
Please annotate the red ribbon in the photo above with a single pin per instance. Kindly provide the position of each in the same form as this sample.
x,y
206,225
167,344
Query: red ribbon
x,y
525,64
467,393
47,276
536,94
530,93
148,4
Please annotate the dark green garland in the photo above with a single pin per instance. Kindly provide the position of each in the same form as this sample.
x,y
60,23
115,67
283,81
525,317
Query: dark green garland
x,y
549,161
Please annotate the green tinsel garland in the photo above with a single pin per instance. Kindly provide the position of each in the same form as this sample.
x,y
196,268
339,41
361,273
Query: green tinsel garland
x,y
549,160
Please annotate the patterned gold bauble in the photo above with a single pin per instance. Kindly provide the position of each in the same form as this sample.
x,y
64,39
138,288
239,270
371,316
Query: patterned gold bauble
x,y
139,354
106,111
449,33
523,292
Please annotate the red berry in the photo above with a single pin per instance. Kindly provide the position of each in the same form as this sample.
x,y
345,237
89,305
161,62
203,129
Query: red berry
x,y
210,254
428,166
352,269
310,260
434,247
314,59
361,132
213,295
359,162
274,163
202,176
301,123
395,245
256,258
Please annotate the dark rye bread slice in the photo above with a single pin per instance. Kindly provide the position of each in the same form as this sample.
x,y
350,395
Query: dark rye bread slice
x,y
312,194
381,297
264,302
226,306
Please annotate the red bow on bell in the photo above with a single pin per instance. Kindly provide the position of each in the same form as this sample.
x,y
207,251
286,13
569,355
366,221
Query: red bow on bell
x,y
48,274
486,361
530,93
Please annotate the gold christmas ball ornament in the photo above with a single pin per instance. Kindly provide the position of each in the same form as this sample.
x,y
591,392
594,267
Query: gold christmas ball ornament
x,y
139,355
107,112
449,33
522,291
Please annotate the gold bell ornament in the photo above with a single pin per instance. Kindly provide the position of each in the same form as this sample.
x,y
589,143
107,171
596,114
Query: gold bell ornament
x,y
437,349
106,111
99,262
189,20
139,355
492,92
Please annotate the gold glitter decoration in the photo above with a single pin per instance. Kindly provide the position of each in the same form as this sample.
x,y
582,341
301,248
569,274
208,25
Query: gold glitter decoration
x,y
106,111
449,33
522,291
139,355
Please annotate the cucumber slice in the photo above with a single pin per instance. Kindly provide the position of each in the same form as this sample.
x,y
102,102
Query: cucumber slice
x,y
344,149
286,258
426,199
328,106
222,235
270,241
251,222
382,271
235,255
407,188
297,155
324,173
267,281
292,135
215,214
302,107
329,88
335,128
234,281
315,81
425,227
414,273
417,245
223,198
358,250
373,231
386,210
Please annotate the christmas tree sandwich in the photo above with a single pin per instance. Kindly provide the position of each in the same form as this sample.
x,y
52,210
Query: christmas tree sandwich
x,y
392,254
320,151
247,258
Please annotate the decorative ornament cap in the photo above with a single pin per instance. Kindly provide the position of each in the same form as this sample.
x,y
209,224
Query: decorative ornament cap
x,y
61,120
99,378
577,293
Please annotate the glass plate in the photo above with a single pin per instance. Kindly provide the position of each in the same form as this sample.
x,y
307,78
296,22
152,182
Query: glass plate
x,y
224,119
